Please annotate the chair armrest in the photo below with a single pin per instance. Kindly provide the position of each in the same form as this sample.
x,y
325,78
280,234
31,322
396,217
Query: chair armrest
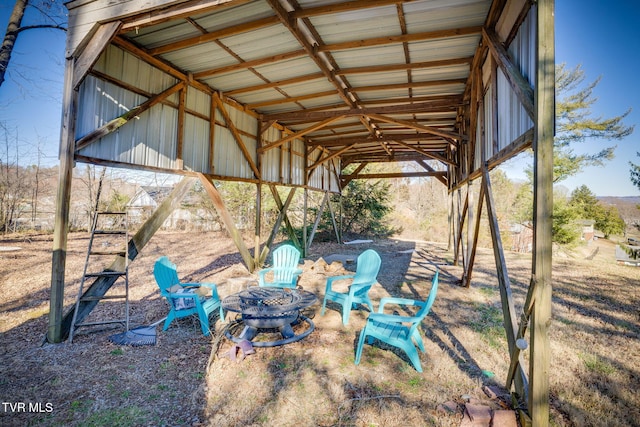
x,y
391,318
212,286
332,279
397,301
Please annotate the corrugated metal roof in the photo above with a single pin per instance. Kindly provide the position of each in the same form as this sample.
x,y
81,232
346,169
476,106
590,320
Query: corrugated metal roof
x,y
404,64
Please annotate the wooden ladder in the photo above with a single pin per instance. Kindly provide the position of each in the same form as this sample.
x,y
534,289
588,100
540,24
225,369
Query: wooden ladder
x,y
107,226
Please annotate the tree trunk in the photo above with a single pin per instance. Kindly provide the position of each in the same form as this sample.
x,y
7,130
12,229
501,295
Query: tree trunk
x,y
11,35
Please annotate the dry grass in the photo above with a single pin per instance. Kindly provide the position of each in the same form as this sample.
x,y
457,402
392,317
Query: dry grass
x,y
184,380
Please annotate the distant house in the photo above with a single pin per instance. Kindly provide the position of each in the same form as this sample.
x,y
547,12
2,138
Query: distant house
x,y
522,237
587,231
148,198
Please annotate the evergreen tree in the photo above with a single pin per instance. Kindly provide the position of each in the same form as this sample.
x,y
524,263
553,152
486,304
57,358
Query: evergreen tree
x,y
635,173
575,123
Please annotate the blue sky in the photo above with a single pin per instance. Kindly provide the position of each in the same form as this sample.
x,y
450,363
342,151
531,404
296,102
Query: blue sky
x,y
605,40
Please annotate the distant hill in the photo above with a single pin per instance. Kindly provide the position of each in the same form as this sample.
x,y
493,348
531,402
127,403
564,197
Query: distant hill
x,y
628,208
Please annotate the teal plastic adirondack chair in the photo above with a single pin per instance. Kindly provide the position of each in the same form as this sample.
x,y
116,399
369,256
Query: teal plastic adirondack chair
x,y
285,268
183,303
399,331
367,268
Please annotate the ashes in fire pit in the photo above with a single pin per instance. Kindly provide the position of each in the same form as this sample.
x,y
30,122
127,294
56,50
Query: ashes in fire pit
x,y
264,308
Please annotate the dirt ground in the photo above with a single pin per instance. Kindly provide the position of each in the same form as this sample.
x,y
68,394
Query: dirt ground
x,y
185,379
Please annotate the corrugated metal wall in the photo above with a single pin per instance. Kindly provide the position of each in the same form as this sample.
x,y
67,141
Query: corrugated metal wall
x,y
150,140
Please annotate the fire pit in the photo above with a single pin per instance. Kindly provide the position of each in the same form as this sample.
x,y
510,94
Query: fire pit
x,y
264,308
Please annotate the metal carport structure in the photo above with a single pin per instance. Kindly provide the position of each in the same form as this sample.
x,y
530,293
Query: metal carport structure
x,y
290,92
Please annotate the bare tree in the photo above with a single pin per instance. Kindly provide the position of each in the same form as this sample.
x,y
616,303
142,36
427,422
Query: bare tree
x,y
51,15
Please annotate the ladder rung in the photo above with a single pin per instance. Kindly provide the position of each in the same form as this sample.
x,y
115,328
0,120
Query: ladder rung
x,y
105,322
106,274
111,213
110,232
102,297
120,252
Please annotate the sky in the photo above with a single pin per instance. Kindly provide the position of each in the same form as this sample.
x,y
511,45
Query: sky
x,y
604,40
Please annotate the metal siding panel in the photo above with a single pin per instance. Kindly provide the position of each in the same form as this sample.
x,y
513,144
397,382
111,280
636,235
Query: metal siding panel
x,y
198,101
357,25
196,144
488,122
283,70
369,56
432,50
200,57
445,14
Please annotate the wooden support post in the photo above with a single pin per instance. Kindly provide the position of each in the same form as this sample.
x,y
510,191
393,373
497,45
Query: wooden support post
x,y
63,198
102,284
282,216
543,207
222,211
470,234
304,223
474,243
324,202
256,244
506,297
333,220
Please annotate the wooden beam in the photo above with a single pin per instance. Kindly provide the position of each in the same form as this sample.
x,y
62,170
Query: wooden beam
x,y
90,54
386,40
270,85
425,152
324,202
63,205
441,178
412,125
473,239
215,35
102,284
435,105
504,284
396,175
116,123
404,66
282,216
181,10
298,134
540,350
229,223
342,7
159,64
518,83
236,135
333,155
346,179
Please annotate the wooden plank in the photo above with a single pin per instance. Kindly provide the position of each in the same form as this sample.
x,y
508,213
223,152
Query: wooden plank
x,y
236,135
473,241
90,54
299,134
540,350
324,202
116,123
414,125
63,198
516,80
506,296
386,40
224,215
434,104
282,216
180,128
101,285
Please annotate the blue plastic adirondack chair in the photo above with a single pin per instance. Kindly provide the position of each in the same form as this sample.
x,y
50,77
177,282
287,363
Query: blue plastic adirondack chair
x,y
367,268
183,303
399,331
285,268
